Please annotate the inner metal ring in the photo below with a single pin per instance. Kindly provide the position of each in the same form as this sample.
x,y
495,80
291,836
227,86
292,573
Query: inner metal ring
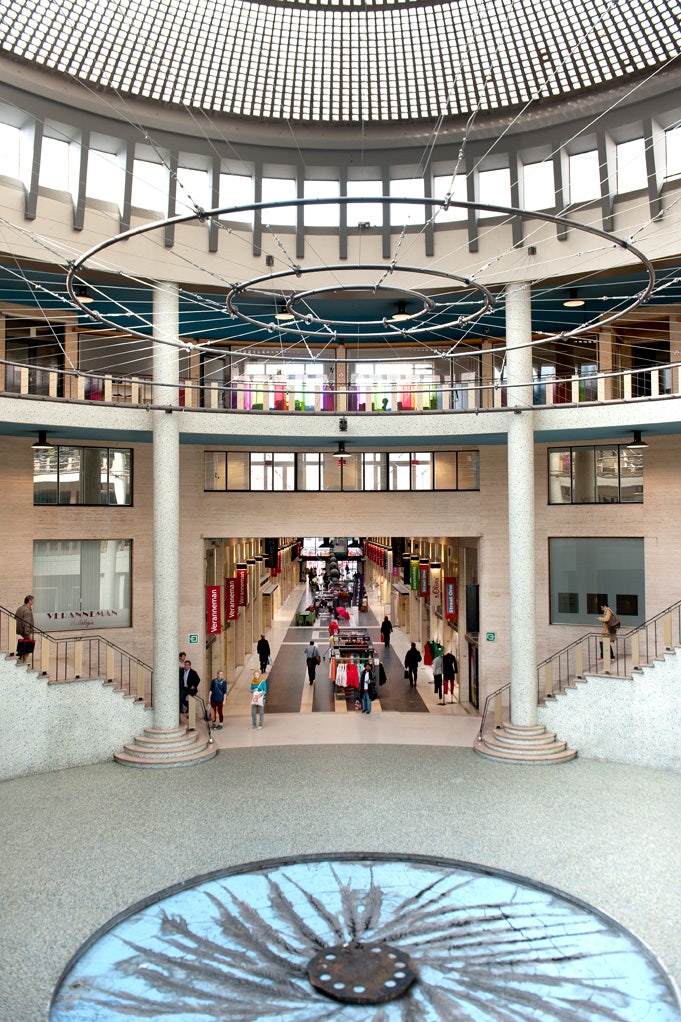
x,y
359,973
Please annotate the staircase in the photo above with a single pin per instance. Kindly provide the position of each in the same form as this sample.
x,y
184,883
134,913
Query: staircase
x,y
177,747
517,743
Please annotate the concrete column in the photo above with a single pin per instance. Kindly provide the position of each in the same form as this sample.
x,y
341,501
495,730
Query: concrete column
x,y
166,518
521,506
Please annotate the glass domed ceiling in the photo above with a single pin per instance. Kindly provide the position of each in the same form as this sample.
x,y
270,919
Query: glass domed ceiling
x,y
343,61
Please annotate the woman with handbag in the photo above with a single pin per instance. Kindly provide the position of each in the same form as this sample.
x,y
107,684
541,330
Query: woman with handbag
x,y
258,696
610,625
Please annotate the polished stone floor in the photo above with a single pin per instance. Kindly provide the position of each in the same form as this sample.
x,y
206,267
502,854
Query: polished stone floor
x,y
82,845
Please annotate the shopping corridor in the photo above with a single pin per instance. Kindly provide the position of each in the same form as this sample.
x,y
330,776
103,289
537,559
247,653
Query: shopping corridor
x,y
406,714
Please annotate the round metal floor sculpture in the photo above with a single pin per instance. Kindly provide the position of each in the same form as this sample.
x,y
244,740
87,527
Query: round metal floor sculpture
x,y
364,939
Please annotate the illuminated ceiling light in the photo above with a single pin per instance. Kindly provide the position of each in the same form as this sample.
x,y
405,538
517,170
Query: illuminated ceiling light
x,y
573,301
401,312
341,453
41,443
637,444
82,294
283,315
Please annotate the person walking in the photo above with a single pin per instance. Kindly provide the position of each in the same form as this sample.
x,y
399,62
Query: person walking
x,y
610,624
450,669
386,629
312,658
218,694
365,682
263,651
25,629
258,696
411,664
437,676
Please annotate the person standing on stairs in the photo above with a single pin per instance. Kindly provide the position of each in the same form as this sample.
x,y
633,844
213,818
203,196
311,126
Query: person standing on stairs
x,y
607,631
25,626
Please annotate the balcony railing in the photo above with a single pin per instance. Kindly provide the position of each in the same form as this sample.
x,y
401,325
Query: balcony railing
x,y
412,396
80,657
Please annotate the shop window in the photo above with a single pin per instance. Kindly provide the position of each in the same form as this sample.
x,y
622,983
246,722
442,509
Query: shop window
x,y
595,475
81,584
85,476
586,573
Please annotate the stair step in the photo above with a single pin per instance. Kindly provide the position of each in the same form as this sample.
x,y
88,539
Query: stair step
x,y
156,742
166,751
524,730
523,748
525,742
156,762
508,756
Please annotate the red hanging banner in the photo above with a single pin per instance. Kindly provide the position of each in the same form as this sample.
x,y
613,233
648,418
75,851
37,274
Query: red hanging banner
x,y
213,611
450,607
242,585
231,599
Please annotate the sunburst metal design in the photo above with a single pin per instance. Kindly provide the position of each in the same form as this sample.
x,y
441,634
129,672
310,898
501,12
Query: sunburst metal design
x,y
479,944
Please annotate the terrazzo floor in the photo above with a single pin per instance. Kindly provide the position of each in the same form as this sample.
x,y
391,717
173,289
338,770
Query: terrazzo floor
x,y
81,845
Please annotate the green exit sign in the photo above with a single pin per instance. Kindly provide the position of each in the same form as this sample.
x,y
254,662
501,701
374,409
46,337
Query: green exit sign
x,y
491,636
193,638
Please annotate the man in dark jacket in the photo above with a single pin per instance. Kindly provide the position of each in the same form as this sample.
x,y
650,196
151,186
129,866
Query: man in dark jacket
x,y
190,684
411,663
263,651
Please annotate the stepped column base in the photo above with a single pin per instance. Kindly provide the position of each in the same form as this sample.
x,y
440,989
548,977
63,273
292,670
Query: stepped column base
x,y
174,748
517,743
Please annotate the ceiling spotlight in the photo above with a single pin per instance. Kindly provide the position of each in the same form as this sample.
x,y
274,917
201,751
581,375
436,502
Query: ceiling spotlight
x,y
41,443
401,312
573,301
341,453
637,444
283,314
82,294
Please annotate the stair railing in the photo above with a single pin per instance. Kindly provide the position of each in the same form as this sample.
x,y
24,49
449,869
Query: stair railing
x,y
76,657
633,648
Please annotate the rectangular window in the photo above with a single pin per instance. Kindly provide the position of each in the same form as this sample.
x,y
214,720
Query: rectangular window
x,y
85,476
421,472
399,471
82,584
215,470
150,182
584,181
283,472
374,472
352,472
468,470
595,475
587,572
237,470
632,174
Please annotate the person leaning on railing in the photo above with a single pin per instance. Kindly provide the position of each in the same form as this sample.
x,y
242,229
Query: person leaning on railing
x,y
608,619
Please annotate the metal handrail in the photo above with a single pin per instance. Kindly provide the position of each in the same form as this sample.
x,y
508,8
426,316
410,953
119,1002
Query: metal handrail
x,y
75,657
637,646
273,398
492,697
633,648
